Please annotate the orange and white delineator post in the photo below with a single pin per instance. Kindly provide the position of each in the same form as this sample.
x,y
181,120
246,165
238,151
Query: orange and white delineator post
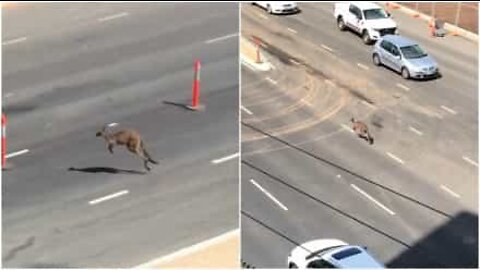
x,y
4,140
196,85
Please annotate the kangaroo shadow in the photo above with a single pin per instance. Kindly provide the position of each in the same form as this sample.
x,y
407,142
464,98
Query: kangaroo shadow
x,y
105,170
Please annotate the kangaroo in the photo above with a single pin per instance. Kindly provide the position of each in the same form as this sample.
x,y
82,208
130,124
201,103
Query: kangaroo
x,y
132,141
361,130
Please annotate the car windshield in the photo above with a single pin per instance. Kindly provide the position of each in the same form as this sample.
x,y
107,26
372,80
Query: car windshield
x,y
374,14
412,52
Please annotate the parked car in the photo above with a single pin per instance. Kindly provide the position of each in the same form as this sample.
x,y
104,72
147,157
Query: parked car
x,y
278,7
331,253
366,18
404,56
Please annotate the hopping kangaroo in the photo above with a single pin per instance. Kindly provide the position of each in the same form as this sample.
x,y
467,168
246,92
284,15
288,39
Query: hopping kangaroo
x,y
131,139
361,130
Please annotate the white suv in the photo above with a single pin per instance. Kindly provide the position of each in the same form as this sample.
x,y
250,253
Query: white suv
x,y
366,18
330,253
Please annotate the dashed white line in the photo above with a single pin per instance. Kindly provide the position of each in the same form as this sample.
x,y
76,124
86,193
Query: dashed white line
x,y
362,66
224,159
470,161
395,158
449,110
414,130
294,61
372,199
113,17
13,41
246,110
112,124
269,195
292,30
221,38
403,87
326,47
18,153
348,128
367,104
449,191
271,81
108,197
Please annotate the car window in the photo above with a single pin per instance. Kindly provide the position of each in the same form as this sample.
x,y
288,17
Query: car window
x,y
373,14
346,253
386,45
355,11
395,50
320,264
414,51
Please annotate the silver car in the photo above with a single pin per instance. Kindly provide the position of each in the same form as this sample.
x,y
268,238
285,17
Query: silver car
x,y
405,56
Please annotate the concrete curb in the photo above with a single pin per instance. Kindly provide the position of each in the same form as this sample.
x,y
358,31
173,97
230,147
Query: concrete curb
x,y
247,58
449,27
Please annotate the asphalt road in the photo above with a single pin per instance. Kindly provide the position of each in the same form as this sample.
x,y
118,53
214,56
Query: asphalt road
x,y
70,68
411,197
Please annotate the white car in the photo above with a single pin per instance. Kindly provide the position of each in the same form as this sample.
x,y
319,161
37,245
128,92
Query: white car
x,y
366,18
331,253
278,7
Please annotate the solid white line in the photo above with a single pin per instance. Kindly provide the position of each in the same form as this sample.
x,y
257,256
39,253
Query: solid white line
x,y
292,30
363,66
470,161
269,195
18,153
347,128
326,47
221,38
246,110
108,197
13,41
227,158
372,199
418,132
450,191
448,110
367,104
114,16
271,80
191,249
395,158
403,87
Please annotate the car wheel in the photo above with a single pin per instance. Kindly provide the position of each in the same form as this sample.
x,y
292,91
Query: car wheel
x,y
341,24
269,9
376,60
405,73
292,265
366,37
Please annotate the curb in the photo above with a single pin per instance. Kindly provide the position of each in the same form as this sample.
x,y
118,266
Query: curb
x,y
448,26
246,50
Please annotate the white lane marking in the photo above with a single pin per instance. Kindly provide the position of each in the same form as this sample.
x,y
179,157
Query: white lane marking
x,y
326,47
13,41
449,110
395,158
449,191
347,128
247,65
339,176
294,61
331,83
113,17
418,132
403,87
269,195
470,161
9,95
191,249
108,197
362,66
367,104
221,38
246,110
18,153
372,199
292,30
271,81
227,158
112,124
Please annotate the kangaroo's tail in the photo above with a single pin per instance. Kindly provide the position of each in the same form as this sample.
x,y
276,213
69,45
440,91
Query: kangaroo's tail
x,y
147,155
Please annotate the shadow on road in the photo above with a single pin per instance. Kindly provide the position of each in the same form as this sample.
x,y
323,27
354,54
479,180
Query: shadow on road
x,y
105,170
